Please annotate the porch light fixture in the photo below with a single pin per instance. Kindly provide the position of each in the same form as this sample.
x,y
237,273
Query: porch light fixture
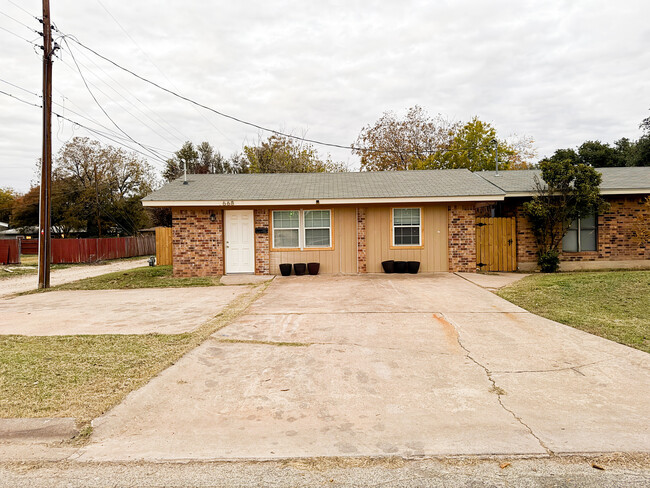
x,y
213,217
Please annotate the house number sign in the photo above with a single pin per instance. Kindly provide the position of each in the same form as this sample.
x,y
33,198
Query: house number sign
x,y
228,203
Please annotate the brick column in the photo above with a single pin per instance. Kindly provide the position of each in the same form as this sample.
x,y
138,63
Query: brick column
x,y
262,253
462,238
197,242
361,240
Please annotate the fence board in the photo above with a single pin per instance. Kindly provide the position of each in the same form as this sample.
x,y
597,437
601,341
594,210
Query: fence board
x,y
163,246
9,251
92,250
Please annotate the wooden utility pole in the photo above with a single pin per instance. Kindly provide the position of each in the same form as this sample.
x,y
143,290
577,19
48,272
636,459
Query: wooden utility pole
x,y
44,235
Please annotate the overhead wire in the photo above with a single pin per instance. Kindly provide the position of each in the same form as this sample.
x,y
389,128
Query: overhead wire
x,y
110,131
19,22
21,8
19,36
95,131
181,139
161,71
102,108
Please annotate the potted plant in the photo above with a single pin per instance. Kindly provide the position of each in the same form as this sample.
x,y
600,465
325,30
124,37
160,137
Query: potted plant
x,y
299,268
285,269
389,266
312,268
400,267
413,266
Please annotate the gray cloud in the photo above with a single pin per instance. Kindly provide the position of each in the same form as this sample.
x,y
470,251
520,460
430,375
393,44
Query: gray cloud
x,y
559,71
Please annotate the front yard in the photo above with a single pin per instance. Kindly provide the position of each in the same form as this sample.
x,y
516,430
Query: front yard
x,y
82,376
611,304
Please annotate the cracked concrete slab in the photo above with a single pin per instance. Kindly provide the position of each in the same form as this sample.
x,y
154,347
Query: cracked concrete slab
x,y
407,366
227,401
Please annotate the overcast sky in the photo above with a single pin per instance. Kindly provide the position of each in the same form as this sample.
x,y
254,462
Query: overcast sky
x,y
560,71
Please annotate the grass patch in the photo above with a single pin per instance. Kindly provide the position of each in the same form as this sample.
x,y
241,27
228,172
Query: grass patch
x,y
145,277
84,376
612,304
267,343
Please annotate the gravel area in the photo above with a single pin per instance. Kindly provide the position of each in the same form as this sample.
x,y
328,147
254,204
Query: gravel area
x,y
60,276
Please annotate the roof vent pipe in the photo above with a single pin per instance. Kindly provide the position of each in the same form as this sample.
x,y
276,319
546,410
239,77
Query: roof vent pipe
x,y
496,157
185,172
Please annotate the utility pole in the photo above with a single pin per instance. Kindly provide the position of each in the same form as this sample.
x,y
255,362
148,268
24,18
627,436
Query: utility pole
x,y
44,235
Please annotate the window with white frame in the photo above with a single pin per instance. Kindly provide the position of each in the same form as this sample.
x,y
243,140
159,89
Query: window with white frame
x,y
298,229
581,235
407,230
286,228
318,228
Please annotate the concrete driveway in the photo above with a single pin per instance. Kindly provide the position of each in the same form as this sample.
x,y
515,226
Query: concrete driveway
x,y
385,365
140,311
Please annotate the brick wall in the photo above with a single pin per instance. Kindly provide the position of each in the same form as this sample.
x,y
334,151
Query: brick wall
x,y
197,242
361,240
614,234
262,251
462,237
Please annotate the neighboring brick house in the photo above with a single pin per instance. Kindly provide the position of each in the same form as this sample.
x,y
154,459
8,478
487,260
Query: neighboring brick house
x,y
600,241
351,222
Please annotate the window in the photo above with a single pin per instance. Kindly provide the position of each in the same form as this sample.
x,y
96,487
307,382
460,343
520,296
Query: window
x,y
406,227
581,235
286,228
317,228
298,229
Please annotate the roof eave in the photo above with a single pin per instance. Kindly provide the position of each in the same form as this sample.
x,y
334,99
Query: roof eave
x,y
321,201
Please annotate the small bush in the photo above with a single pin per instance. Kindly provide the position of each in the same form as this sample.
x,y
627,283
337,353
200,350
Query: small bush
x,y
549,261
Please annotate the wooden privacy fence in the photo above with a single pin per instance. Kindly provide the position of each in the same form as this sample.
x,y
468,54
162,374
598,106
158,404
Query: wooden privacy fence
x,y
163,246
91,250
496,245
9,251
29,246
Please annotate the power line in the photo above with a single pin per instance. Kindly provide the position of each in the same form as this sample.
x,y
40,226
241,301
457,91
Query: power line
x,y
161,71
183,137
102,108
20,37
21,8
95,131
222,114
19,22
111,132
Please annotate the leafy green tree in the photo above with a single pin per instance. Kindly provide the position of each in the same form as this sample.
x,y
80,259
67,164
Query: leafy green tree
x,y
8,198
474,146
568,191
599,155
202,159
421,142
279,154
94,187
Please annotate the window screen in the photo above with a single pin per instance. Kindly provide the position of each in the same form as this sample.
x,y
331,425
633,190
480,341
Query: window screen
x,y
406,226
286,228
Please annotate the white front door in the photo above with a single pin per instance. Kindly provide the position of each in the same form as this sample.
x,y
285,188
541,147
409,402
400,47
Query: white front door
x,y
240,244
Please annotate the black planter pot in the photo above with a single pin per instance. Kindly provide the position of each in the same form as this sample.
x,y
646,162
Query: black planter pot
x,y
389,266
413,266
285,269
299,268
312,268
400,267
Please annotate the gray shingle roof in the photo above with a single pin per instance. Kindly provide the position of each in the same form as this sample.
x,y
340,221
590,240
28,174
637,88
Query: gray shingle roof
x,y
324,186
614,179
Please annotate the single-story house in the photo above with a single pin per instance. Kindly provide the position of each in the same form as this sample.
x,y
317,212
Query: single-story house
x,y
351,222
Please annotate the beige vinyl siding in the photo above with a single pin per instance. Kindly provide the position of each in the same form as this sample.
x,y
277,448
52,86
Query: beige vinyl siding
x,y
432,255
341,259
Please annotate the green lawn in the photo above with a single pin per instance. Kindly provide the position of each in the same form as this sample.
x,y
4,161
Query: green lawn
x,y
145,277
610,304
83,376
